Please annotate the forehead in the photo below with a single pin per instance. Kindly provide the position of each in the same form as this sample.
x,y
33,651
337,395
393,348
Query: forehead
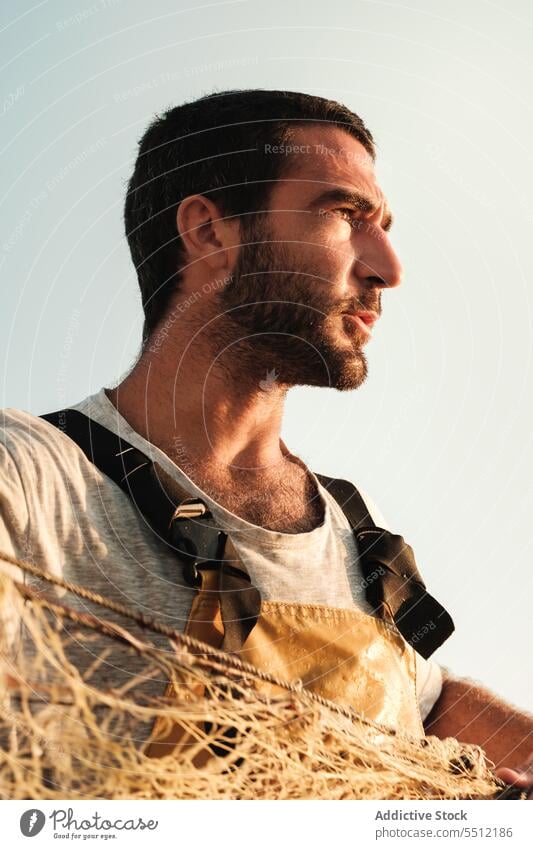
x,y
327,156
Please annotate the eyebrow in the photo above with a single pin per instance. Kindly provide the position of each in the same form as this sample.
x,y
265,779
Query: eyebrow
x,y
351,197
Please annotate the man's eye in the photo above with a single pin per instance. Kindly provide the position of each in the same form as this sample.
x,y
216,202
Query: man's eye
x,y
348,212
352,216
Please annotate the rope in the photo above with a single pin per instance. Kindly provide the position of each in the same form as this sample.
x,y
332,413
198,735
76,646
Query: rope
x,y
321,756
199,648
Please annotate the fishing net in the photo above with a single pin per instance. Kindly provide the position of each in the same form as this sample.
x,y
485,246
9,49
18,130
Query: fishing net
x,y
247,735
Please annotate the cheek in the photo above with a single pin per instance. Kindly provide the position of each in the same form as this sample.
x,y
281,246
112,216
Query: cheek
x,y
338,236
338,253
327,249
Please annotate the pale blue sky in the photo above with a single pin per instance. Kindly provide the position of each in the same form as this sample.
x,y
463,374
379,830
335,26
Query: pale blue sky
x,y
440,435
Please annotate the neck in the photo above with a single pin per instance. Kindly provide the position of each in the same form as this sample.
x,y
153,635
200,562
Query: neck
x,y
205,404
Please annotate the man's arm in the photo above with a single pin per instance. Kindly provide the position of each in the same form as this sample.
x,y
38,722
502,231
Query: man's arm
x,y
472,714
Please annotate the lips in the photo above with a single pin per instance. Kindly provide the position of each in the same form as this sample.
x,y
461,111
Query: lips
x,y
363,319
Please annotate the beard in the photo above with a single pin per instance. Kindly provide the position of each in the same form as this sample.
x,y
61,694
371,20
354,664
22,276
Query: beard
x,y
286,323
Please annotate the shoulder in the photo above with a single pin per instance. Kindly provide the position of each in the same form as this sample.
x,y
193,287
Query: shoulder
x,y
344,494
39,455
27,436
374,510
23,439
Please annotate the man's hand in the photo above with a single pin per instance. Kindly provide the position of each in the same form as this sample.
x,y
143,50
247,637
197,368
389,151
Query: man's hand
x,y
521,777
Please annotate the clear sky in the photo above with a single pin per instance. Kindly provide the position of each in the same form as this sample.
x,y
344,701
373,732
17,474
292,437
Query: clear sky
x,y
440,436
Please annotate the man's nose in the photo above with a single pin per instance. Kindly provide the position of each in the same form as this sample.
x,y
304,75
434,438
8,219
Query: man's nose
x,y
378,263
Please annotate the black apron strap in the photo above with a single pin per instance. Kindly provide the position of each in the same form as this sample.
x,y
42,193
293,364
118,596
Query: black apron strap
x,y
129,468
393,585
188,528
351,501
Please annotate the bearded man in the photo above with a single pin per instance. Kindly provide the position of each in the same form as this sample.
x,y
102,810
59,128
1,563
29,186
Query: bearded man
x,y
260,237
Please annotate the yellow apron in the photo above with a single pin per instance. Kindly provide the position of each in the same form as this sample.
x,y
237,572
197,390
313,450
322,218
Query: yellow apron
x,y
342,654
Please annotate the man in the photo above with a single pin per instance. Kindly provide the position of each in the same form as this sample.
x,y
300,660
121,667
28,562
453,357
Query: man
x,y
260,238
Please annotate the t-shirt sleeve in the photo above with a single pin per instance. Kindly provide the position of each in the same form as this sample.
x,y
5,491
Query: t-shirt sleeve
x,y
13,537
428,673
428,684
13,506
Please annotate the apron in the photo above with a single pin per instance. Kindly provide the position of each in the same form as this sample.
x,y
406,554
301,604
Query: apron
x,y
354,658
343,654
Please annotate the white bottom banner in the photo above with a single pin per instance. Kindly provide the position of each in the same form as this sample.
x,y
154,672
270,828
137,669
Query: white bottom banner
x,y
265,825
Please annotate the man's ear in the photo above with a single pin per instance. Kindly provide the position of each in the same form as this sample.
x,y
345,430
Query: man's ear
x,y
207,235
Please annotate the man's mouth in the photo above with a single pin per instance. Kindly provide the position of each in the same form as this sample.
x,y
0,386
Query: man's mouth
x,y
363,320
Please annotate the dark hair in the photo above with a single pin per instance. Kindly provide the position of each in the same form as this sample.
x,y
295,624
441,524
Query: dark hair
x,y
213,146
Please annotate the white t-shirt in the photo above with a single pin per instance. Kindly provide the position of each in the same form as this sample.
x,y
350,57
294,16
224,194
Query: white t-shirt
x,y
59,511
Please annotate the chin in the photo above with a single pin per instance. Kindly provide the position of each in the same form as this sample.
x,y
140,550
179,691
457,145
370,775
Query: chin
x,y
346,369
337,372
351,377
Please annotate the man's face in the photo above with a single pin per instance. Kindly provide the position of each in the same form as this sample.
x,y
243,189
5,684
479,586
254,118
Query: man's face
x,y
317,257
